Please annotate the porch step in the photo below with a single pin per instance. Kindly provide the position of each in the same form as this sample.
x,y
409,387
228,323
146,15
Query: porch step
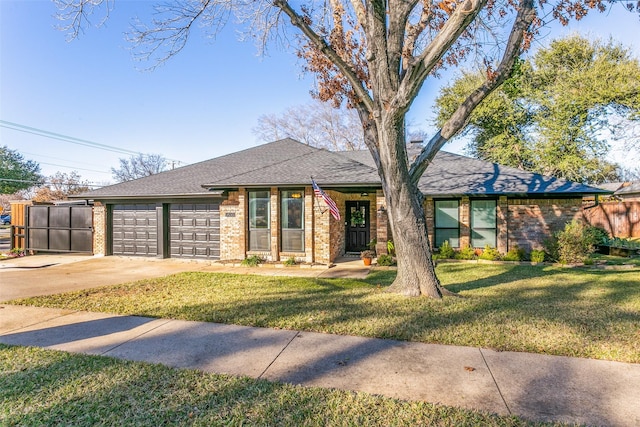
x,y
352,254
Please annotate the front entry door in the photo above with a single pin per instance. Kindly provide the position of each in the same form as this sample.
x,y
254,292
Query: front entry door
x,y
358,229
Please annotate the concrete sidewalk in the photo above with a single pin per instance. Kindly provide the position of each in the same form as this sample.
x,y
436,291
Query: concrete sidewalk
x,y
533,386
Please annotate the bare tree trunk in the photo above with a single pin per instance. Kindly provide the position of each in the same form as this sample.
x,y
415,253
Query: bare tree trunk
x,y
416,273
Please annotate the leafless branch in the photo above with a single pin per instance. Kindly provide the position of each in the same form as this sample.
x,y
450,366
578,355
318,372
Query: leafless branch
x,y
75,14
322,45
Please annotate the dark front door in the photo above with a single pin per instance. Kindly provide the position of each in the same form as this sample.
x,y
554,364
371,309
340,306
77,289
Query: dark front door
x,y
358,229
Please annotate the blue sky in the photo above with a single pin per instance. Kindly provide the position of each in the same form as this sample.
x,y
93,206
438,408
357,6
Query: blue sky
x,y
203,103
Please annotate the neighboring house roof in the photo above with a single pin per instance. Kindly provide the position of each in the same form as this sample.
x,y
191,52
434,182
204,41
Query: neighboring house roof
x,y
632,188
611,186
288,162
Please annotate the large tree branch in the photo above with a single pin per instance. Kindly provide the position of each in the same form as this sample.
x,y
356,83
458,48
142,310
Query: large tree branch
x,y
361,14
419,68
397,17
413,31
298,22
525,17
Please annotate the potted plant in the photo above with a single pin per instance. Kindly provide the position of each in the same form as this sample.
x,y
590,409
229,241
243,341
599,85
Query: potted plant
x,y
367,256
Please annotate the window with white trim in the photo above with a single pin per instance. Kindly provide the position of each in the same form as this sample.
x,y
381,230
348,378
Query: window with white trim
x,y
292,220
447,222
259,221
483,223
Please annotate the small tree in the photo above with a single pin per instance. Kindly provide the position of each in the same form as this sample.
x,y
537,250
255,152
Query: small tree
x,y
139,166
16,173
575,243
60,186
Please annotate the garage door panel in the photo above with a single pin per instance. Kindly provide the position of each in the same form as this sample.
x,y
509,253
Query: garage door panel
x,y
135,230
195,230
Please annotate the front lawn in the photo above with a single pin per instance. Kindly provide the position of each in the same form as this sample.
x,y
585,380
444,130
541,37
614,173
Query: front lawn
x,y
539,309
41,387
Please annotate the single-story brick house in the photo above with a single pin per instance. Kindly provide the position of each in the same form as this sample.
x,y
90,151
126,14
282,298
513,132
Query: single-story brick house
x,y
260,201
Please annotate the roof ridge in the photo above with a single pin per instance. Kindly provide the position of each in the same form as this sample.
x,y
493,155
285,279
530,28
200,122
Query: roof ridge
x,y
265,166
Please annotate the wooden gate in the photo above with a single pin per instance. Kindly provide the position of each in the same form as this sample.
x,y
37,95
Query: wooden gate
x,y
59,228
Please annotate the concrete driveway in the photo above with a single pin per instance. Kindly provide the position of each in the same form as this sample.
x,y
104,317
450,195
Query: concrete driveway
x,y
52,274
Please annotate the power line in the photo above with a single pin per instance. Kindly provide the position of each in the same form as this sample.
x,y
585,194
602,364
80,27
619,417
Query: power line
x,y
58,158
81,184
71,139
65,138
73,167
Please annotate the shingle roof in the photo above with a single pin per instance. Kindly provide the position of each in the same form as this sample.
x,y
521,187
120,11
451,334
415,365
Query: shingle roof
x,y
632,188
326,167
288,162
455,175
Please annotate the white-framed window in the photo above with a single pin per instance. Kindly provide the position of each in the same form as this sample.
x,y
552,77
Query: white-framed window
x,y
259,221
447,222
292,220
483,223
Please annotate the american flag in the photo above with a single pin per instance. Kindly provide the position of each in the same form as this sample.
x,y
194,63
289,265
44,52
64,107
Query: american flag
x,y
333,208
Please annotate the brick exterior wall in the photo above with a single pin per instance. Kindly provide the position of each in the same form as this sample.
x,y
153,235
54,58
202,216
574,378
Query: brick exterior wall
x,y
337,228
99,229
232,227
526,223
531,221
383,229
323,234
465,222
502,225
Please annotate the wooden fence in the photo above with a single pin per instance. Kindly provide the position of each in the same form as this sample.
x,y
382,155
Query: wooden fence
x,y
620,219
18,229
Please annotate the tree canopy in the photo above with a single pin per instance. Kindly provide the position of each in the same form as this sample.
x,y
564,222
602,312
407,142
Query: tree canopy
x,y
16,173
556,112
60,186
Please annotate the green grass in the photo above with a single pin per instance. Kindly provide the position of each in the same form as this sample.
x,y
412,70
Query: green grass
x,y
42,387
615,260
539,309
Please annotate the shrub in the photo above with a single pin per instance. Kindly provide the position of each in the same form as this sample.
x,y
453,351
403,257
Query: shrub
x,y
537,255
514,254
385,260
551,248
598,235
466,253
390,247
575,242
490,254
446,251
251,261
290,262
